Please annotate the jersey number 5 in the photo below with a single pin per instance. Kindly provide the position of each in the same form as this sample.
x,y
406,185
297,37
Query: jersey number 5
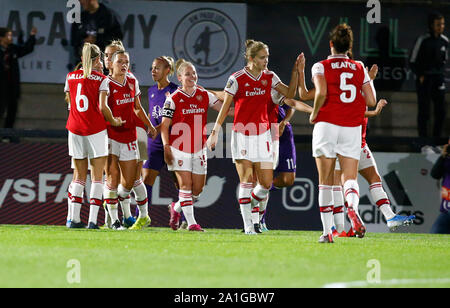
x,y
81,100
347,87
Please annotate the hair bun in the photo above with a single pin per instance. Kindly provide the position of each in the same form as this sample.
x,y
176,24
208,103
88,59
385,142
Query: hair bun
x,y
249,43
343,31
179,63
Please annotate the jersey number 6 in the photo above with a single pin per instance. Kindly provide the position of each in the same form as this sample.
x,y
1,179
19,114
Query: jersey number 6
x,y
81,107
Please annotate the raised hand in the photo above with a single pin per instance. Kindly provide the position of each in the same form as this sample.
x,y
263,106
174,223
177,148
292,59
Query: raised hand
x,y
301,62
373,71
380,105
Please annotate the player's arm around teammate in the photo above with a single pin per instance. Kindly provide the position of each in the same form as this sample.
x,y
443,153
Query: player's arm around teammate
x,y
87,140
123,152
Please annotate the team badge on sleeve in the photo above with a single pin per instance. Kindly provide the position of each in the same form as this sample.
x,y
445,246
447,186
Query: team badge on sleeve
x,y
229,83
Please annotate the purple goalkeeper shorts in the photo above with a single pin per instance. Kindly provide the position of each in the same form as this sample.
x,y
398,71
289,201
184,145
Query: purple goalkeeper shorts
x,y
287,157
155,157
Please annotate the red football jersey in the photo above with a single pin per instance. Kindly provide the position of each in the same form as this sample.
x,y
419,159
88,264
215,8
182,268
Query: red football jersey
x,y
85,117
252,95
189,117
121,100
344,105
138,121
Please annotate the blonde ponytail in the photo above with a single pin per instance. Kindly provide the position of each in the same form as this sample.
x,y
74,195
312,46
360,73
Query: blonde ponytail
x,y
90,52
181,64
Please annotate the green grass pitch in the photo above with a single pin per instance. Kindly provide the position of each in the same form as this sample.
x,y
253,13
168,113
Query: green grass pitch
x,y
54,256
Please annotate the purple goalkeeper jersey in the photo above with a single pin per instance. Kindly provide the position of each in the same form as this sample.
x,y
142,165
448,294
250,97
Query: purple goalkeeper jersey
x,y
288,133
156,99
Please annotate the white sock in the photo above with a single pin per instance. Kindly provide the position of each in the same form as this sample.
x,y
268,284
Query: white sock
x,y
186,204
188,211
95,200
124,200
245,190
113,210
338,210
195,198
140,193
258,194
351,193
69,203
111,198
77,199
326,207
93,213
381,199
255,215
177,207
125,204
263,206
263,203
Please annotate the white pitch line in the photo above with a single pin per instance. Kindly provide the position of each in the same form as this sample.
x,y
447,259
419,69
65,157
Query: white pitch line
x,y
354,284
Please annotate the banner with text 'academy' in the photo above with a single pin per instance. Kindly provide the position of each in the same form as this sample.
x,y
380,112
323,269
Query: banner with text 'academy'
x,y
210,35
34,179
